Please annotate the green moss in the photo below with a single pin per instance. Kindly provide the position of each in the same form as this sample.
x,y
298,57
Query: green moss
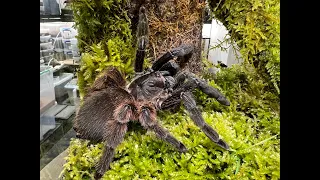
x,y
100,20
143,156
105,38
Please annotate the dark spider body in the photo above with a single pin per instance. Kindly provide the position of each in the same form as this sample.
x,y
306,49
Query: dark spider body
x,y
109,104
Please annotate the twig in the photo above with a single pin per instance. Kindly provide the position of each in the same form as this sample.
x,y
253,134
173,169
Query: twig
x,y
261,142
217,5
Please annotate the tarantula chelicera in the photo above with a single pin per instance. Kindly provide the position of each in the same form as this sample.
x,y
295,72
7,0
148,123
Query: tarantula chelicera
x,y
109,104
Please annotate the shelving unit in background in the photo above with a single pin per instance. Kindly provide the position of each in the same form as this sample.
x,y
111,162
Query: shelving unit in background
x,y
57,139
70,62
60,12
56,18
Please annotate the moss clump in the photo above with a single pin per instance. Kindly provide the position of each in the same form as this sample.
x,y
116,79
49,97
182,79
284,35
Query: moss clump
x,y
105,38
97,21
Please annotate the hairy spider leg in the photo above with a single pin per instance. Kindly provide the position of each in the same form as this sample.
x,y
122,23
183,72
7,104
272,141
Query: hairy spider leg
x,y
174,100
143,40
203,86
172,103
180,78
171,67
195,114
179,86
182,92
114,134
184,51
148,120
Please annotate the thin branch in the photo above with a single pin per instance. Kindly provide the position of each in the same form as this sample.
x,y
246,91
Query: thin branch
x,y
261,142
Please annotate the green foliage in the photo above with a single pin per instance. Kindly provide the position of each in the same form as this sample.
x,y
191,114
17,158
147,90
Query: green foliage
x,y
255,154
97,21
119,54
105,38
255,27
248,93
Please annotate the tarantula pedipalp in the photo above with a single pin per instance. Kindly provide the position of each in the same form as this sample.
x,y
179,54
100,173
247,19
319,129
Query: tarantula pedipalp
x,y
109,104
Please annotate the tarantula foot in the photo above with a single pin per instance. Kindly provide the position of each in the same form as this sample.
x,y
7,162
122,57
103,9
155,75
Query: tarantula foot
x,y
223,144
97,176
223,100
182,148
78,135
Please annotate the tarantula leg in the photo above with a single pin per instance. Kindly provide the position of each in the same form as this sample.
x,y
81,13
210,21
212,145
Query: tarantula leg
x,y
180,78
124,113
103,165
181,51
148,120
195,114
171,66
172,102
203,86
142,37
180,86
182,60
113,137
212,92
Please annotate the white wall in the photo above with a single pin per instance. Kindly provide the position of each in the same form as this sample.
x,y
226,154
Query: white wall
x,y
216,31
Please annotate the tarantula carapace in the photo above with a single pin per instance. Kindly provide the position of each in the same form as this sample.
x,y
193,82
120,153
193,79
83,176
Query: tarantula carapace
x,y
109,104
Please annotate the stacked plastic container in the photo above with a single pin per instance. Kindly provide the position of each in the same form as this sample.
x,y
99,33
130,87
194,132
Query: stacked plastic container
x,y
47,100
75,49
66,36
58,49
70,44
46,47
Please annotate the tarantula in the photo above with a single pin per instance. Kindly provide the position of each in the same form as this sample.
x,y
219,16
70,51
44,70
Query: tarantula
x,y
109,104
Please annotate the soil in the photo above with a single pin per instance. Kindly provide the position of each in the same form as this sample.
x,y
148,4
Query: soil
x,y
172,23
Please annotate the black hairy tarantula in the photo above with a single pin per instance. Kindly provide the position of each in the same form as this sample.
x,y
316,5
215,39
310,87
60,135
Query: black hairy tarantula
x,y
109,104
